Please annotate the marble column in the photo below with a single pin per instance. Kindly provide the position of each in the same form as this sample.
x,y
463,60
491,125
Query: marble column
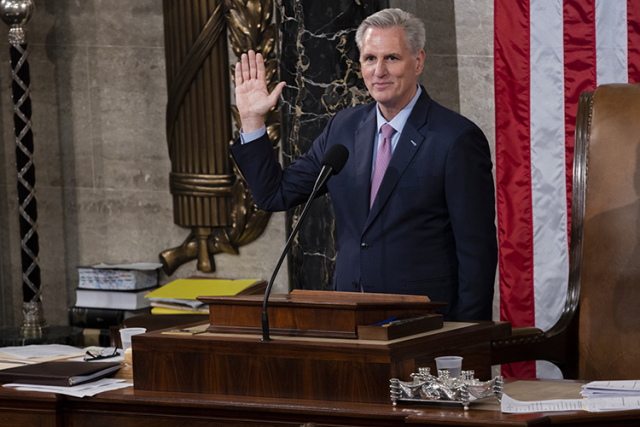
x,y
319,63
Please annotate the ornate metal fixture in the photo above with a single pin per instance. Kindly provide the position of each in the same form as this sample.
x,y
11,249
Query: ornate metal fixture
x,y
210,195
443,389
16,14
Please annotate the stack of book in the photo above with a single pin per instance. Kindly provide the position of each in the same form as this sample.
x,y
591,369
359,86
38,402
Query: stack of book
x,y
179,296
108,294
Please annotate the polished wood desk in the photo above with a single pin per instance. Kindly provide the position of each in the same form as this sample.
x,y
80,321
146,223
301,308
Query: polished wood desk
x,y
129,407
325,369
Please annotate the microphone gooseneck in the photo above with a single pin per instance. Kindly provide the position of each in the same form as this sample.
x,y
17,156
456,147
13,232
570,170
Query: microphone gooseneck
x,y
332,163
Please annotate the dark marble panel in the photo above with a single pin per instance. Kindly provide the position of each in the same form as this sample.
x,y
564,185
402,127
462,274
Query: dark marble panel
x,y
319,63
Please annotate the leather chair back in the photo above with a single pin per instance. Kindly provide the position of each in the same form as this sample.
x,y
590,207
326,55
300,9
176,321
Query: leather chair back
x,y
609,271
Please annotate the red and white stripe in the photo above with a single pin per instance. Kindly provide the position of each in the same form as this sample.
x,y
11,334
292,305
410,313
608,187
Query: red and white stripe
x,y
546,53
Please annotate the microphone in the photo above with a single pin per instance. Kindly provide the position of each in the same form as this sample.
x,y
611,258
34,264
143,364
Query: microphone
x,y
332,163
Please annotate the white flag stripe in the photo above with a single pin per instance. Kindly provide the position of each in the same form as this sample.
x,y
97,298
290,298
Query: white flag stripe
x,y
611,42
548,178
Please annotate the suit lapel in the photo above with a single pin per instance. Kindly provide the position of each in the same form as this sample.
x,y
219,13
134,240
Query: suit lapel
x,y
364,140
408,145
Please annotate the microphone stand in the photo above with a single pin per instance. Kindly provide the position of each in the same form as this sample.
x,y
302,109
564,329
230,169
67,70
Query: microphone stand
x,y
265,318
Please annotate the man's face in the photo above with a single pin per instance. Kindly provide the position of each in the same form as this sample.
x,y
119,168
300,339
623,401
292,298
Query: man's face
x,y
389,70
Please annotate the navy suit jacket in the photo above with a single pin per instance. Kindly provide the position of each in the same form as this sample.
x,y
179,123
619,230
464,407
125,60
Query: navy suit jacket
x,y
431,228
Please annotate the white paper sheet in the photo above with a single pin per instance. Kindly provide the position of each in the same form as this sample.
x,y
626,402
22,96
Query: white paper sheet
x,y
189,303
613,385
82,390
135,266
604,404
612,395
608,393
512,406
41,350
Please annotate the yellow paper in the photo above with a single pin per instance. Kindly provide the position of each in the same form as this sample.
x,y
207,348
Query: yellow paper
x,y
191,288
162,310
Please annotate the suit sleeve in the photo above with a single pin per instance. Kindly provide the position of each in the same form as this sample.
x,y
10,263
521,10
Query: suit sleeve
x,y
469,191
273,188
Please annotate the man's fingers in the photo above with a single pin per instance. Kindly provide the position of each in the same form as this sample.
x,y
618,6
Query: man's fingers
x,y
238,74
273,97
252,64
259,67
245,67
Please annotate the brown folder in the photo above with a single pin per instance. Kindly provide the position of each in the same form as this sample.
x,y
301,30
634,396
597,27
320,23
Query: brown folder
x,y
62,374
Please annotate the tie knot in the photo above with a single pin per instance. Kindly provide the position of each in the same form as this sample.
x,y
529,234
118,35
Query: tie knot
x,y
387,130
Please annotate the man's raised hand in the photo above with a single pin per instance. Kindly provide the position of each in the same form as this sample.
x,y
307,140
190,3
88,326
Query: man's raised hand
x,y
252,97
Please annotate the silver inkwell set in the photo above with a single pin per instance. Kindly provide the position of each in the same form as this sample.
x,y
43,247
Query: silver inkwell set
x,y
460,389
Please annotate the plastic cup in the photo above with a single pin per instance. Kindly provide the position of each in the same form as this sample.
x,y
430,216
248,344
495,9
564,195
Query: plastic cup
x,y
127,333
452,363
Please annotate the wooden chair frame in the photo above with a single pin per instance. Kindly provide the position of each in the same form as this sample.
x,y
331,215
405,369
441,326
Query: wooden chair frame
x,y
560,343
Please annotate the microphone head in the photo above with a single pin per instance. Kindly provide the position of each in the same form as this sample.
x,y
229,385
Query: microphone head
x,y
336,157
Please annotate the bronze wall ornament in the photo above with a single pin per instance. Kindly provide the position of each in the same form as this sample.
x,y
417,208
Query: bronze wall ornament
x,y
210,196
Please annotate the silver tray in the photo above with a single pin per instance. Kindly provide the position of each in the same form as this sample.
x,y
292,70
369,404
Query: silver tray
x,y
443,389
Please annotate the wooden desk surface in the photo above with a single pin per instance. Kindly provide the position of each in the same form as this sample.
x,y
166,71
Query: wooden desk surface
x,y
129,407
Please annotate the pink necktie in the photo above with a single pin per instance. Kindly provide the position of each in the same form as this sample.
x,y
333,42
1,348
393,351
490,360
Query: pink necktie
x,y
382,160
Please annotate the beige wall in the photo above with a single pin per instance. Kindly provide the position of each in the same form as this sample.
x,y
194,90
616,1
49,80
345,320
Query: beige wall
x,y
99,97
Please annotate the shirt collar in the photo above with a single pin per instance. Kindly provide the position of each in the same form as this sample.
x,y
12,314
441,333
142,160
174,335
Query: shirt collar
x,y
401,118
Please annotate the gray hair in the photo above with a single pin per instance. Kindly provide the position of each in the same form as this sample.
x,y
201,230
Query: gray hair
x,y
392,18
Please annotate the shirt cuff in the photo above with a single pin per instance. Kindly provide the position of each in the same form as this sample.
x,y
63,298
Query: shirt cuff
x,y
252,136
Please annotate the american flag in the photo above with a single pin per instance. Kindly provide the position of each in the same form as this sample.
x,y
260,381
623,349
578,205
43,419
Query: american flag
x,y
546,53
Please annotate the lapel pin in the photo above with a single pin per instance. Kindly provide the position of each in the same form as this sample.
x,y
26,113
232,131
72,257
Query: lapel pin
x,y
414,144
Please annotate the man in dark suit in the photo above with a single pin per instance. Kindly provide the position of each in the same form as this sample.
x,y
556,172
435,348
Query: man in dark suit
x,y
414,204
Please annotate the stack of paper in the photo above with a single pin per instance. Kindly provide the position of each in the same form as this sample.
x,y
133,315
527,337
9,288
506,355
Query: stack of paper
x,y
36,353
82,390
509,405
180,295
42,367
598,396
612,395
